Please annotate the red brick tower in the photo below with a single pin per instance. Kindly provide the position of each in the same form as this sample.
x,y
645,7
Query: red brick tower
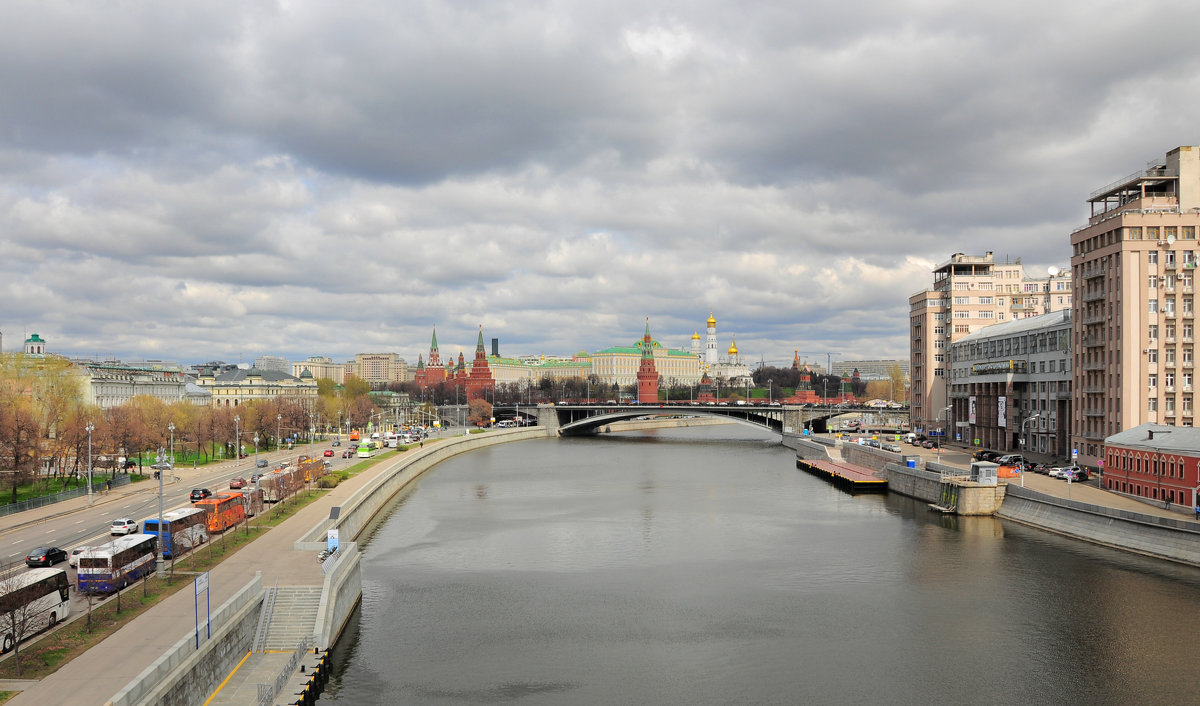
x,y
434,372
647,375
480,378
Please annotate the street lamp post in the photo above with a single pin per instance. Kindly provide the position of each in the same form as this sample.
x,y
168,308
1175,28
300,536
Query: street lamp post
x,y
770,392
90,428
256,449
161,568
278,431
237,437
941,437
1021,439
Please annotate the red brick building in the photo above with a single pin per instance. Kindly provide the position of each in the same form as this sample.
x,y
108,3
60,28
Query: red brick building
x,y
1154,461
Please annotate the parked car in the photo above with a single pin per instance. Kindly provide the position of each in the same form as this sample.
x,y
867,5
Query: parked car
x,y
45,556
73,557
236,483
261,463
346,454
1078,473
985,455
200,494
894,448
328,452
124,525
254,478
1011,460
337,443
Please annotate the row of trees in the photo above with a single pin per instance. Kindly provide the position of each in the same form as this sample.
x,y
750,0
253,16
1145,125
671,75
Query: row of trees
x,y
45,420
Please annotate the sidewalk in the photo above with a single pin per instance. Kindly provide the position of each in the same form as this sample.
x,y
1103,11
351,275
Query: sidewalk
x,y
105,669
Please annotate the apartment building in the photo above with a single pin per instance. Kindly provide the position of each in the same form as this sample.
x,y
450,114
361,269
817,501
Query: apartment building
x,y
1134,315
969,292
378,369
320,366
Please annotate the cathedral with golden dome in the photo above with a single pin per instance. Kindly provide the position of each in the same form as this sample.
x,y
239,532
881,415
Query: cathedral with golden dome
x,y
728,367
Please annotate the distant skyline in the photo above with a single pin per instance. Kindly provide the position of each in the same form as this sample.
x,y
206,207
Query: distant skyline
x,y
223,180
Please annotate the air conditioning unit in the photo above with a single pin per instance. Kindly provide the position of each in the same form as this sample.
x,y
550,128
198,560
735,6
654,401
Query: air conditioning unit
x,y
1162,242
1179,276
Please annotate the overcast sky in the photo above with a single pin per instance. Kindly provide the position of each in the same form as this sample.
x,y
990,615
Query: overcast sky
x,y
223,180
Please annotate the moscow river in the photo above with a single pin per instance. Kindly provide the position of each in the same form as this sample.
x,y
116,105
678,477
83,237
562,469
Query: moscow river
x,y
699,566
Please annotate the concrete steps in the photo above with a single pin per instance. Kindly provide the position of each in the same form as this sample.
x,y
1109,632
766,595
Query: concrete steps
x,y
293,617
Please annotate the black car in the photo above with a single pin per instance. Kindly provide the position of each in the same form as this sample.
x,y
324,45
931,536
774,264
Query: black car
x,y
200,494
45,556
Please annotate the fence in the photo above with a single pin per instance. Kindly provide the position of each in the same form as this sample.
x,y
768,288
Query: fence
x,y
98,486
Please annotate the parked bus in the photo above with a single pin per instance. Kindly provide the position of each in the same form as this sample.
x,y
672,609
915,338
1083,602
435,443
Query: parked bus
x,y
112,566
250,498
280,484
185,529
31,601
222,512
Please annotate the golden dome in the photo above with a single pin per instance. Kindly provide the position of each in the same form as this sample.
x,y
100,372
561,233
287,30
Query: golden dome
x,y
695,335
711,321
733,348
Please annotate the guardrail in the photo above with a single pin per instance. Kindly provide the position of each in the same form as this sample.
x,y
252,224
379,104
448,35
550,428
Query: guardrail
x,y
97,487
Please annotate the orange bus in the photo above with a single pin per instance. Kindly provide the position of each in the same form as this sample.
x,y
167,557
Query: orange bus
x,y
222,512
354,435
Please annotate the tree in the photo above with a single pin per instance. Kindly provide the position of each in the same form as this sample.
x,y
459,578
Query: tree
x,y
479,412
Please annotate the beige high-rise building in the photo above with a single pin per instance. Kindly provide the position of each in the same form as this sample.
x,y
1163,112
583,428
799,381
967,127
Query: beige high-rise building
x,y
969,292
1134,317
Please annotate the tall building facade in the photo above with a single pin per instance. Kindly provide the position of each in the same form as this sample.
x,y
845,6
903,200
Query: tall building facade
x,y
1010,387
969,292
380,368
1134,316
320,366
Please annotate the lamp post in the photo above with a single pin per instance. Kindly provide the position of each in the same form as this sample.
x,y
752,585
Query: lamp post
x,y
1021,438
770,392
942,437
256,449
90,428
237,437
278,431
160,567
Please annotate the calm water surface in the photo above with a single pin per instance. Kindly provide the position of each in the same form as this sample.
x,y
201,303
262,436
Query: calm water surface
x,y
699,566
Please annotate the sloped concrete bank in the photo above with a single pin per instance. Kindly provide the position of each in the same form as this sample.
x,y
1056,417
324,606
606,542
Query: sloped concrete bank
x,y
1159,537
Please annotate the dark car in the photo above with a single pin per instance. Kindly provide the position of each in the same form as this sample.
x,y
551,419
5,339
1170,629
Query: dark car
x,y
200,494
45,556
336,442
254,478
236,483
1079,474
985,455
261,463
346,454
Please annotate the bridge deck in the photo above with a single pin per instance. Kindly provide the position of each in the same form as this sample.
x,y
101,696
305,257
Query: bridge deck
x,y
844,475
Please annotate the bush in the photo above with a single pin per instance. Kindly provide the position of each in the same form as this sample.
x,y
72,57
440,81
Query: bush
x,y
329,481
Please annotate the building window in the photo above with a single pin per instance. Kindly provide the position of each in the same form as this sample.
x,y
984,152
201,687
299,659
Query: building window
x,y
1152,355
1152,281
1187,381
962,314
962,301
1189,232
1152,380
1153,306
1152,257
1152,404
1169,379
985,300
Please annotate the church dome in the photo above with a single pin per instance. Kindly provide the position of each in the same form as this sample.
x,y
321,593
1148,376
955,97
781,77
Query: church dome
x,y
733,348
695,335
711,320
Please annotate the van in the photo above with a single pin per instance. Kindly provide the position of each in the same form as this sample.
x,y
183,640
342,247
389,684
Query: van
x,y
910,438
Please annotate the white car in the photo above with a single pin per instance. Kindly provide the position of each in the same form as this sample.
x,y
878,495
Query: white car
x,y
124,525
73,556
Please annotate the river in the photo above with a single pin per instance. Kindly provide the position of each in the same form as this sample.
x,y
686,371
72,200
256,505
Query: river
x,y
699,566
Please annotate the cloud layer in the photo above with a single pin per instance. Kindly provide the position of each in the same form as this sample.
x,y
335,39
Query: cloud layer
x,y
222,180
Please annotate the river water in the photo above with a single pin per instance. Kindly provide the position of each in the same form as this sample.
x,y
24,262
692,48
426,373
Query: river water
x,y
699,566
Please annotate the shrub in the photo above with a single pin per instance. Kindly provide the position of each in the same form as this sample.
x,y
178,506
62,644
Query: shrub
x,y
329,481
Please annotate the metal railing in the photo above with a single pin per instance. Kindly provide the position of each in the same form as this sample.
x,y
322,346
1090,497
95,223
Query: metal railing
x,y
268,692
98,486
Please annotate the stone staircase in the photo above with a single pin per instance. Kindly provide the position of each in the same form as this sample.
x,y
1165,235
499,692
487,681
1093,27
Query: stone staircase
x,y
292,618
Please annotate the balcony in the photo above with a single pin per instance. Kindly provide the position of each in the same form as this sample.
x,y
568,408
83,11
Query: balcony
x,y
1092,367
1169,265
1094,295
1167,364
1093,412
1093,271
1169,339
1167,313
1094,319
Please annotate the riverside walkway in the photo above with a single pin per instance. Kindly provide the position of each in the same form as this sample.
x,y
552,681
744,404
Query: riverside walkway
x,y
105,669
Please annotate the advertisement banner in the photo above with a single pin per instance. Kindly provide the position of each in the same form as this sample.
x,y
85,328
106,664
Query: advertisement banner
x,y
1002,412
971,410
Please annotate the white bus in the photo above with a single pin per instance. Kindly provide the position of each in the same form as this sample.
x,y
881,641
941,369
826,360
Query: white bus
x,y
113,566
185,530
31,601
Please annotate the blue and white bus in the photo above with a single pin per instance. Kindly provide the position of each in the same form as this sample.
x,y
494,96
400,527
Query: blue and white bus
x,y
185,530
31,601
112,566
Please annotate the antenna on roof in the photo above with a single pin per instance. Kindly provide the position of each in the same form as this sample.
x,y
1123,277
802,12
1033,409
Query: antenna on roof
x,y
1052,271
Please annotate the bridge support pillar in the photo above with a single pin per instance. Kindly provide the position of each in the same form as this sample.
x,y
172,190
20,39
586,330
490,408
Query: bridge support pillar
x,y
548,417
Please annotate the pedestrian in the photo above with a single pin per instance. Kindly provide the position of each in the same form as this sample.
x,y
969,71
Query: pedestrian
x,y
107,485
1198,512
423,446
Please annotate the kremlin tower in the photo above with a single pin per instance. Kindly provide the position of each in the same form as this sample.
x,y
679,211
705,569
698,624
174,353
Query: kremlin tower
x,y
647,375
